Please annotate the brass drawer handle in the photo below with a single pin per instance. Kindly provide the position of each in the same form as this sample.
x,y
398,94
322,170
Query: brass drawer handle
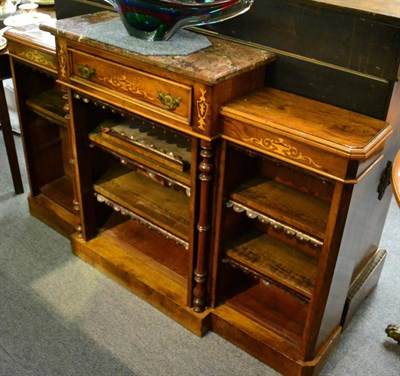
x,y
86,72
168,101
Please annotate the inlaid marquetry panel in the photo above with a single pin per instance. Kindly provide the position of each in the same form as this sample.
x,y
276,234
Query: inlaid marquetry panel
x,y
284,148
33,56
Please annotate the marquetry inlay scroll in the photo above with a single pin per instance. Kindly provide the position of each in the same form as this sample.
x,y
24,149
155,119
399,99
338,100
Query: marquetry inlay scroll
x,y
126,85
288,230
62,59
36,57
202,110
282,147
150,225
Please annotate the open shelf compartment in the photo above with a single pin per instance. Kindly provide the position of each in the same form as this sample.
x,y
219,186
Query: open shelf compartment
x,y
61,191
49,104
273,308
303,213
272,260
141,137
137,160
136,195
151,247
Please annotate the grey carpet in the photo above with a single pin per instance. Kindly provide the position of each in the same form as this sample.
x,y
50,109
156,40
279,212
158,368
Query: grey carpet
x,y
59,316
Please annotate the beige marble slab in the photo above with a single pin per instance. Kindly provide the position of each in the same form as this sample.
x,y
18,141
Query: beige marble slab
x,y
224,59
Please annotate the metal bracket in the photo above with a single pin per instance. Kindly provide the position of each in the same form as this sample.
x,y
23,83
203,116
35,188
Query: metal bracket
x,y
385,180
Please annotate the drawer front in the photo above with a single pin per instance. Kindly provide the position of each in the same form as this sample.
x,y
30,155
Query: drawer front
x,y
285,148
142,88
34,56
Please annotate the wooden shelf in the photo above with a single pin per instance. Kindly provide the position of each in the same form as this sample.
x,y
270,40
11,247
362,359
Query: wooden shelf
x,y
284,204
146,244
61,192
49,104
128,155
161,206
163,146
273,308
273,260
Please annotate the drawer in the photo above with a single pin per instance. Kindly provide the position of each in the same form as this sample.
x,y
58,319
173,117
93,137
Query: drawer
x,y
147,93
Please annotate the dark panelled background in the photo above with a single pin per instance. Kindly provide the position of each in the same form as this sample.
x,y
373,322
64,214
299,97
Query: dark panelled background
x,y
336,55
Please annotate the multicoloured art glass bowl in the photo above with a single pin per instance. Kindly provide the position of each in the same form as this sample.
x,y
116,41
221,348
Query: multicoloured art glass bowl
x,y
159,19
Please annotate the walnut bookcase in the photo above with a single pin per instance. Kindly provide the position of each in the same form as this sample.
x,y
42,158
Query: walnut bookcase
x,y
226,204
294,185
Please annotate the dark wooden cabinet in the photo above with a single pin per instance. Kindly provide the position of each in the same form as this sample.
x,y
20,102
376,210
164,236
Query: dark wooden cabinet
x,y
204,185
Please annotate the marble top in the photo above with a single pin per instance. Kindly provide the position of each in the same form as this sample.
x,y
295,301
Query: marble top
x,y
33,36
222,60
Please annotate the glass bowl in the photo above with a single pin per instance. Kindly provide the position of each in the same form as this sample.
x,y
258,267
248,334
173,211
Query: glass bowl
x,y
157,20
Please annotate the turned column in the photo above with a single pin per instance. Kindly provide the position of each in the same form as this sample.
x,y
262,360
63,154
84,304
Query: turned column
x,y
203,226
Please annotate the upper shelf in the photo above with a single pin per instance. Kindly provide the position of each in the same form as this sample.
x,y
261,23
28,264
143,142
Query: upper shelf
x,y
170,148
284,204
161,206
49,104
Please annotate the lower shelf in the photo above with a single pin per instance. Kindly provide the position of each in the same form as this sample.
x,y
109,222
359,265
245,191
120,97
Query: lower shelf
x,y
267,257
54,206
153,280
158,252
273,308
61,191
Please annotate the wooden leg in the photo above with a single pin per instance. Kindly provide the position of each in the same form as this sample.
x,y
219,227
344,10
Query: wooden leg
x,y
9,142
